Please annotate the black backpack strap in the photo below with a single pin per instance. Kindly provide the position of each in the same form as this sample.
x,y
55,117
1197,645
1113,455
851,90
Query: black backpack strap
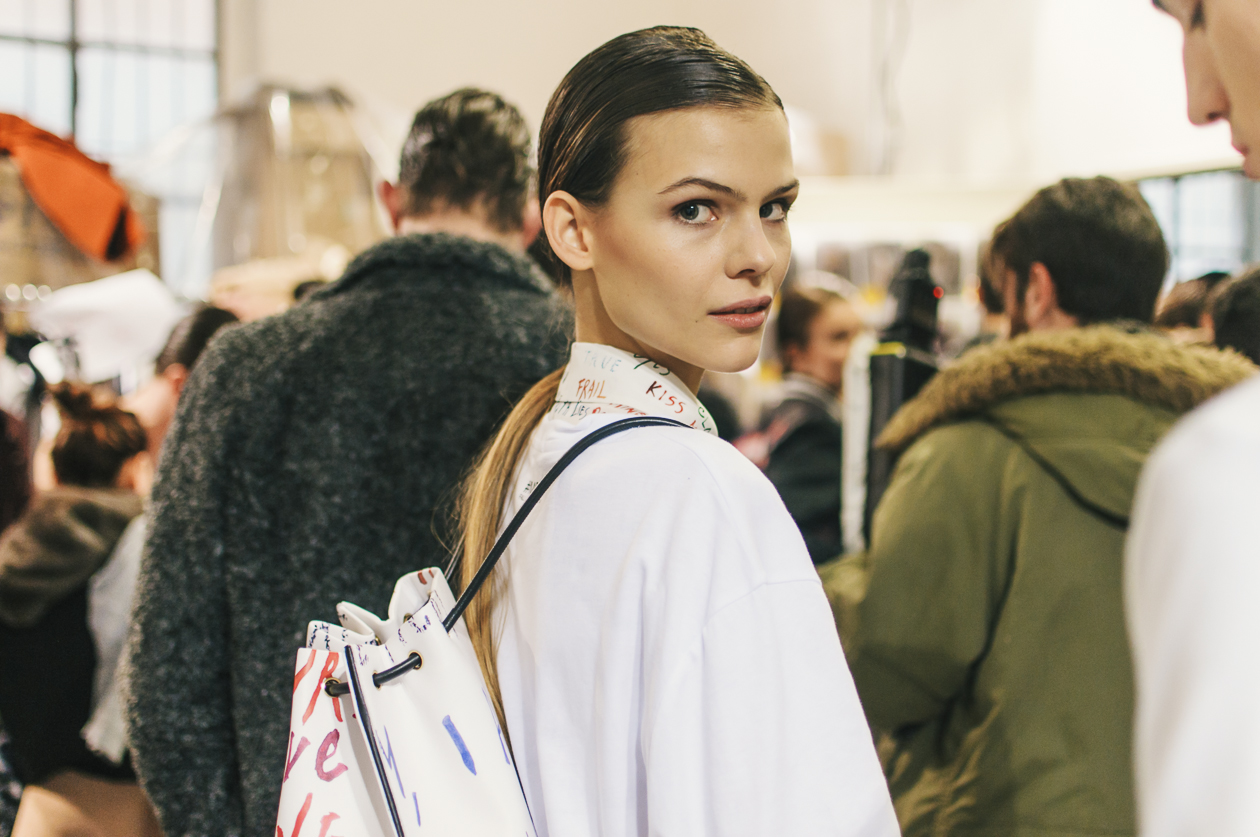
x,y
501,545
1106,516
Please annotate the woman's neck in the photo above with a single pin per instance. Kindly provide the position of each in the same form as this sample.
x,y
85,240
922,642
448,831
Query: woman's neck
x,y
593,325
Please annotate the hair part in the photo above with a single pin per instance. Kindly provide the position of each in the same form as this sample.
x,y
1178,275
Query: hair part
x,y
96,437
581,150
468,150
1100,243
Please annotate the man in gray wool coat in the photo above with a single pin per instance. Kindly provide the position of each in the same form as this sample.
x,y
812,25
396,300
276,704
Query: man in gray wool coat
x,y
313,453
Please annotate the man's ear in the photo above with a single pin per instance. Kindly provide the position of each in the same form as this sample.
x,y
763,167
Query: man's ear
x,y
1041,300
565,221
392,197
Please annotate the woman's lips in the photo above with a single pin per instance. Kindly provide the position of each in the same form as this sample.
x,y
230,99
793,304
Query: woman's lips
x,y
744,316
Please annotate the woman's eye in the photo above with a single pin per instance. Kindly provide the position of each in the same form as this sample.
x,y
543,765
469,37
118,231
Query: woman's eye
x,y
774,211
694,213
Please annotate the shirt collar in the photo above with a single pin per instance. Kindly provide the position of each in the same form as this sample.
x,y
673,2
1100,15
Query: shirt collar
x,y
602,379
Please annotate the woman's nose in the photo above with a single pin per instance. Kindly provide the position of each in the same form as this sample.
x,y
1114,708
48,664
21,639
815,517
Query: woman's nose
x,y
753,254
1206,98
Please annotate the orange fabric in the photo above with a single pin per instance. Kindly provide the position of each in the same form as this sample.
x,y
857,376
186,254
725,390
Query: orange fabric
x,y
76,193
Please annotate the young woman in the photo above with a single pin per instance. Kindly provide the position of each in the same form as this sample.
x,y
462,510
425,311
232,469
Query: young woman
x,y
802,432
664,655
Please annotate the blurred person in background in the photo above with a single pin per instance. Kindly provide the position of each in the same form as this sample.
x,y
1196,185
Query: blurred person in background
x,y
984,625
1235,316
1185,312
15,469
1192,578
312,450
65,591
802,432
155,402
993,324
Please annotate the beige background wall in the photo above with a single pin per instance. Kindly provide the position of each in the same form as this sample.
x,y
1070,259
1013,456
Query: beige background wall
x,y
990,91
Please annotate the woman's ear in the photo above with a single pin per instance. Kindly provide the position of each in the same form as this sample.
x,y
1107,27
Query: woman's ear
x,y
565,222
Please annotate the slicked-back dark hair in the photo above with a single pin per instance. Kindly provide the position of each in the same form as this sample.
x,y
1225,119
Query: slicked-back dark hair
x,y
1236,315
1100,242
469,147
582,142
191,335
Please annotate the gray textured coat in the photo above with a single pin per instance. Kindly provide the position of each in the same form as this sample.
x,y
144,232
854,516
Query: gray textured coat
x,y
304,468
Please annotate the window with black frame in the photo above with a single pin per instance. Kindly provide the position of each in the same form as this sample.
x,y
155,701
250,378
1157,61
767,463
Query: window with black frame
x,y
1211,220
118,76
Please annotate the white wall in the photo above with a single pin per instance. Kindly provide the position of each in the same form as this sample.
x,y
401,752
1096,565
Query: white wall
x,y
405,52
991,91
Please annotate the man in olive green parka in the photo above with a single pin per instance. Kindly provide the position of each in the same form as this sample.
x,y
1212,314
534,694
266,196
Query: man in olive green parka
x,y
984,625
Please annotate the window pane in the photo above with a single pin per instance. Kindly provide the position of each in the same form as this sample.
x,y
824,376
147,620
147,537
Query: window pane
x,y
180,24
130,100
35,84
36,18
1211,223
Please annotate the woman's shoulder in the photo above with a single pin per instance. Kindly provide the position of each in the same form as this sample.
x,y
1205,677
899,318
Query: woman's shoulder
x,y
674,457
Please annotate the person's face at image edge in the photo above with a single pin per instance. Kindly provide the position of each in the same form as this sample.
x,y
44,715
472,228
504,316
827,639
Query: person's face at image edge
x,y
1221,55
831,335
681,263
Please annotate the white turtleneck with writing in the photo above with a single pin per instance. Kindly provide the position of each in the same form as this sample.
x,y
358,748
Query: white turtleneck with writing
x,y
667,657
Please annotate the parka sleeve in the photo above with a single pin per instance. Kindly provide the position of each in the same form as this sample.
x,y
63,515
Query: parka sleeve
x,y
914,611
179,707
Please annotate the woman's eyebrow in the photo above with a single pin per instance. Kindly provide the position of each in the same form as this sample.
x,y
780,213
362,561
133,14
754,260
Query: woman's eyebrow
x,y
726,190
708,184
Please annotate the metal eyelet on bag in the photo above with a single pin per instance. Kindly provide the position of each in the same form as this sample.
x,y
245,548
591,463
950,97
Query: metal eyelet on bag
x,y
335,688
413,661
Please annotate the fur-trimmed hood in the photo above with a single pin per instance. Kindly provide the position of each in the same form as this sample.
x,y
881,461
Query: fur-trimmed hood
x,y
1105,359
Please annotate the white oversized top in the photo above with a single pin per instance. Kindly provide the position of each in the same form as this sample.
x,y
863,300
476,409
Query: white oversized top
x,y
1192,596
668,660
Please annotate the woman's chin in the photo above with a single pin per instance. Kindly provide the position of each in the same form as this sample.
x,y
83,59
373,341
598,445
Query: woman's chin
x,y
735,358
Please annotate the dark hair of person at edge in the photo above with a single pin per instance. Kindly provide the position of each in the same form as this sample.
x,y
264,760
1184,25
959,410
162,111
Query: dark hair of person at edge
x,y
95,440
1187,303
1236,315
466,152
1100,244
582,148
190,336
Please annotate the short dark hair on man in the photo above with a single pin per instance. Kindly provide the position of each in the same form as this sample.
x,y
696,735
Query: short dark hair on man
x,y
467,148
1100,242
1186,302
1236,315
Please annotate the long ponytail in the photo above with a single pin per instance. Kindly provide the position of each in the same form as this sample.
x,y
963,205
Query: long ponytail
x,y
480,514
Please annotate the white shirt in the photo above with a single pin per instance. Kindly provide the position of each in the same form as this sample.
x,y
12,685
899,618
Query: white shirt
x,y
668,660
1192,592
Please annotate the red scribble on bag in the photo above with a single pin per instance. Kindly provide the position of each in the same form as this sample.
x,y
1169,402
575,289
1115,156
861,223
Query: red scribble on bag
x,y
293,757
301,817
297,678
330,665
326,751
326,821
